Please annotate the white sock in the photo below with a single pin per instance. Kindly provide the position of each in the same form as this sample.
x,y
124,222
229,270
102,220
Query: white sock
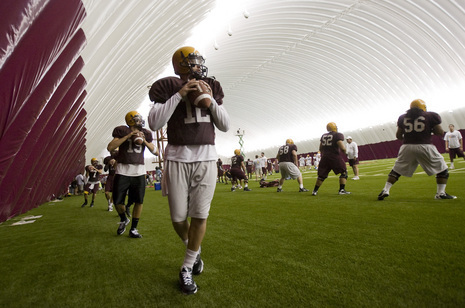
x,y
387,187
189,258
441,189
301,185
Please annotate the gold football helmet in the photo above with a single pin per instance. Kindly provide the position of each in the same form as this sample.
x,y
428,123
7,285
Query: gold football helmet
x,y
133,118
331,127
418,103
185,58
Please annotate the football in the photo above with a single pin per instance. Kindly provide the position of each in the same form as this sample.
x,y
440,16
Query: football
x,y
201,97
137,139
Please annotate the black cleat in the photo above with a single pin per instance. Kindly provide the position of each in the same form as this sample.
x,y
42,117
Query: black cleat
x,y
383,195
303,189
84,204
186,282
279,189
122,226
344,192
444,196
134,233
247,189
197,269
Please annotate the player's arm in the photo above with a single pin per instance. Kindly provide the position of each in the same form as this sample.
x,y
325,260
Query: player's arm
x,y
116,142
400,133
160,114
341,146
437,130
151,147
220,116
294,157
243,167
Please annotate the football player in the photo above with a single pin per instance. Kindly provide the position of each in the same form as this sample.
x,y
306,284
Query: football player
x,y
414,128
331,146
190,156
110,166
287,157
130,169
238,171
93,172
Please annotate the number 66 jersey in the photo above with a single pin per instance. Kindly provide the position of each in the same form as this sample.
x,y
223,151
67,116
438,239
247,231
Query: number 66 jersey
x,y
187,125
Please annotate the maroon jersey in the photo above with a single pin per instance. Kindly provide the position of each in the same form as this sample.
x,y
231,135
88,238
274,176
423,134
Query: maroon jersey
x,y
418,126
111,169
236,161
328,144
188,125
249,166
285,153
130,153
93,174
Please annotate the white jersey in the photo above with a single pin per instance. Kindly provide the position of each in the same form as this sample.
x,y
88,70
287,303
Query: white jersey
x,y
453,138
308,161
352,150
263,161
302,161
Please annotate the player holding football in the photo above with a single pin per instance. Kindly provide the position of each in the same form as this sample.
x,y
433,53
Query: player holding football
x,y
331,146
414,128
287,157
190,156
130,169
238,171
93,172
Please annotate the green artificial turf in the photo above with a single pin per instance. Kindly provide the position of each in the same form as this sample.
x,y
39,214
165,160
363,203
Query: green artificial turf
x,y
262,249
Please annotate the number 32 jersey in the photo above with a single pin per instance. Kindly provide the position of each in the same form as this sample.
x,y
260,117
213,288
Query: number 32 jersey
x,y
418,130
188,125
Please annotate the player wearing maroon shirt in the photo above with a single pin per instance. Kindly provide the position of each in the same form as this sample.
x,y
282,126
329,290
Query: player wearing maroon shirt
x,y
249,167
331,146
287,157
93,172
238,171
414,128
110,166
190,156
130,170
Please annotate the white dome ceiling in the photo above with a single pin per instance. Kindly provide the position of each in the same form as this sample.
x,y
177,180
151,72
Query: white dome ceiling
x,y
286,70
